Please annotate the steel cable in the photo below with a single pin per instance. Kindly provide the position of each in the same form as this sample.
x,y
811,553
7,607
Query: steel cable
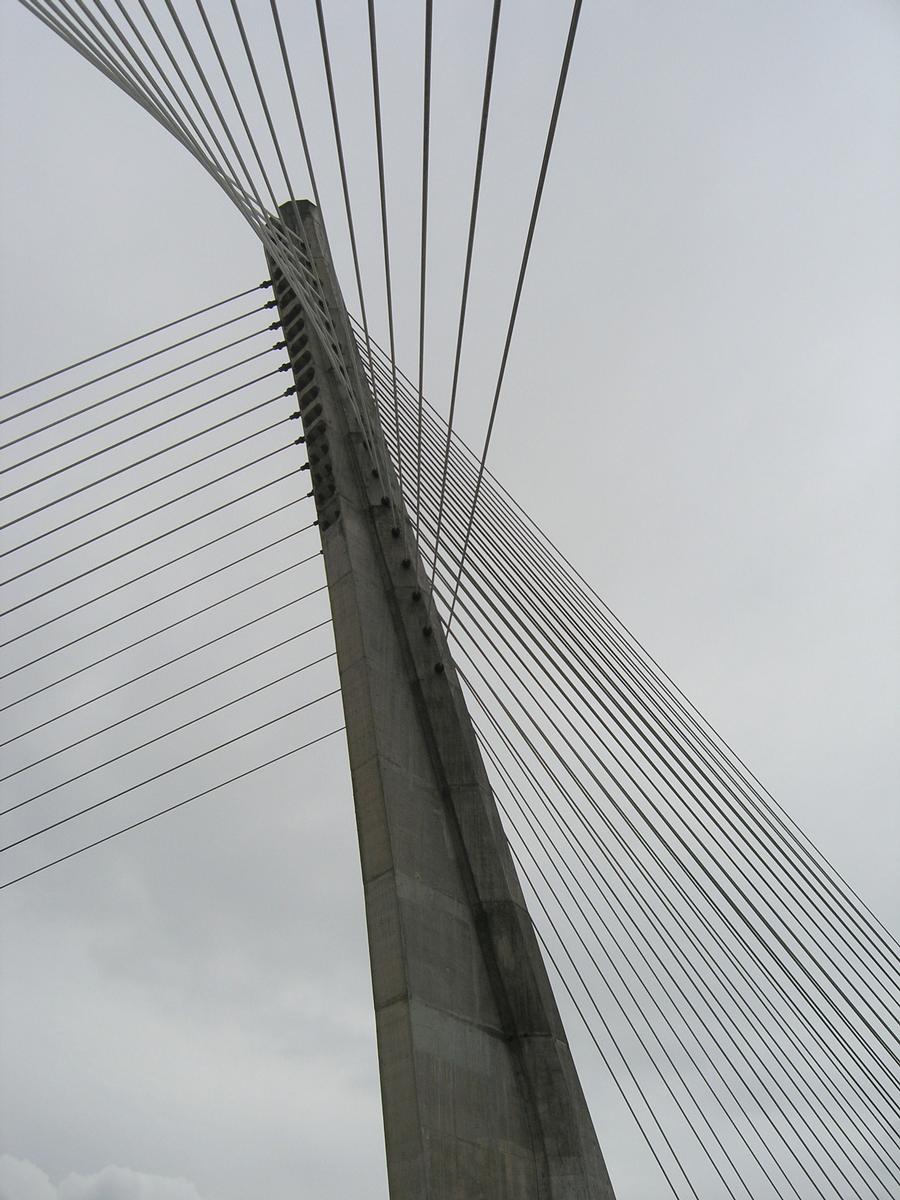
x,y
566,593
374,442
595,697
142,746
148,404
139,462
726,1021
172,807
470,248
382,192
497,558
127,366
159,667
174,625
91,512
554,614
489,634
162,774
149,542
161,567
342,167
251,62
121,346
569,749
593,1036
426,137
289,76
185,412
635,861
156,704
75,34
744,895
539,191
149,512
626,1014
585,861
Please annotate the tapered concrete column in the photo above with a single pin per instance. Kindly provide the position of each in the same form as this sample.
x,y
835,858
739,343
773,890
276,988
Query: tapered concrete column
x,y
480,1095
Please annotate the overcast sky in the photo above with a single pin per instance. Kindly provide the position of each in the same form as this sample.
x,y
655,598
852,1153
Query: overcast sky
x,y
701,409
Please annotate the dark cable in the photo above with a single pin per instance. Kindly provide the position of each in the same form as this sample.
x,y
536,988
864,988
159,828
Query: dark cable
x,y
342,166
108,762
426,136
168,771
585,861
181,621
704,873
125,367
591,695
159,479
552,610
185,412
560,88
289,75
593,1036
267,229
379,146
588,861
172,807
567,584
251,62
165,700
637,863
149,512
112,69
149,542
593,609
161,567
623,1010
121,345
184,83
759,917
470,247
553,614
139,462
141,407
226,74
160,666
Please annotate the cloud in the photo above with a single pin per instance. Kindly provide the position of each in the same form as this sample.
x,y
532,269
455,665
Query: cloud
x,y
22,1180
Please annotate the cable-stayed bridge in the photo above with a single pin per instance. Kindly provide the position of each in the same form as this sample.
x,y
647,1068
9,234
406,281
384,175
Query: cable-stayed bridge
x,y
740,995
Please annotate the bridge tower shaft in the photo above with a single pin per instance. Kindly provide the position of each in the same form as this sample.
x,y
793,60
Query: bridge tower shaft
x,y
480,1096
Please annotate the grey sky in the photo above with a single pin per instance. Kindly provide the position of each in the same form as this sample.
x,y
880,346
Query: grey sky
x,y
701,409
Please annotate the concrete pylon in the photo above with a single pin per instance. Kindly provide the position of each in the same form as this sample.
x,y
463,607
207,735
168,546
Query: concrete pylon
x,y
480,1095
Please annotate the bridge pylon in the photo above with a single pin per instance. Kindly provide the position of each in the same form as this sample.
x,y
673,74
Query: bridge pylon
x,y
480,1096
